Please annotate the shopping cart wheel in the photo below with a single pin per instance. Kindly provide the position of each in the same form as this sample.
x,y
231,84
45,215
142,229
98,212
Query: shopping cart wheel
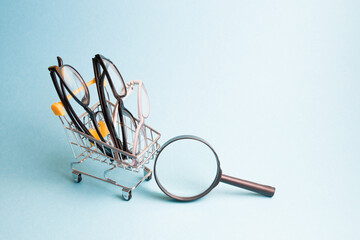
x,y
149,177
146,171
126,195
77,177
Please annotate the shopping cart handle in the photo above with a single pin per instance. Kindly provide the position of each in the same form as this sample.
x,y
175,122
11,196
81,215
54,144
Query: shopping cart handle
x,y
58,109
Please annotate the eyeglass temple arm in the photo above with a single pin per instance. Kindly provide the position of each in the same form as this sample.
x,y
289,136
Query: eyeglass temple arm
x,y
251,186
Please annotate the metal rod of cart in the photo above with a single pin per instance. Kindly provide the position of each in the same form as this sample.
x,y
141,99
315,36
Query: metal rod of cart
x,y
88,148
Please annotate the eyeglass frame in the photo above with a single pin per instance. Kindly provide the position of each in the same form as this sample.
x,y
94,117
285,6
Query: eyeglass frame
x,y
100,81
130,86
65,99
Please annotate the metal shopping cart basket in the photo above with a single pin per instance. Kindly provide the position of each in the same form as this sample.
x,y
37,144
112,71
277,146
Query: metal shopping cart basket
x,y
90,148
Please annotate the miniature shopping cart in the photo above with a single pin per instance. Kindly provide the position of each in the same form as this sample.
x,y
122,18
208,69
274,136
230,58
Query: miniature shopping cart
x,y
87,148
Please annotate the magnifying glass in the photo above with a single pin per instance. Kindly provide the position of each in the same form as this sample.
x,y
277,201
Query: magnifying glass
x,y
187,168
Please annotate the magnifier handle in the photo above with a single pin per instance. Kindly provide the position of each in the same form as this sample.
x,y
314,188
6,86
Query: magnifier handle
x,y
251,186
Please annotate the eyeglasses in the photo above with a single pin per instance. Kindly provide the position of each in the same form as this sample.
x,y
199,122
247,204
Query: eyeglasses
x,y
67,79
106,72
140,139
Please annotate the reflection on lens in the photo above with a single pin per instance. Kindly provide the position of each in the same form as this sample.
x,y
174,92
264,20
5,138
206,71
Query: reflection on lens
x,y
186,168
115,76
75,83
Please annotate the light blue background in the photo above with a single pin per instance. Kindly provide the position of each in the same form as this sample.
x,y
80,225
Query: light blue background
x,y
272,85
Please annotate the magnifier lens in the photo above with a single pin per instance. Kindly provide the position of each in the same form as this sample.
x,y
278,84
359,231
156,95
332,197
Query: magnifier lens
x,y
186,168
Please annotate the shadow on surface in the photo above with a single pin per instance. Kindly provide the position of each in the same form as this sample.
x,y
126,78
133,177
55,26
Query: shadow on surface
x,y
214,193
239,192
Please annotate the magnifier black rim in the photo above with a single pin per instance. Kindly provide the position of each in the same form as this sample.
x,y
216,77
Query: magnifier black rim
x,y
192,198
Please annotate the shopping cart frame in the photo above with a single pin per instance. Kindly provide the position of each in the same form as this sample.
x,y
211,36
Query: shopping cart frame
x,y
87,147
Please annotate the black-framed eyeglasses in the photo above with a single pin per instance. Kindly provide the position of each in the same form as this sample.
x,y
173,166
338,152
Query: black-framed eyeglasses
x,y
107,73
67,79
